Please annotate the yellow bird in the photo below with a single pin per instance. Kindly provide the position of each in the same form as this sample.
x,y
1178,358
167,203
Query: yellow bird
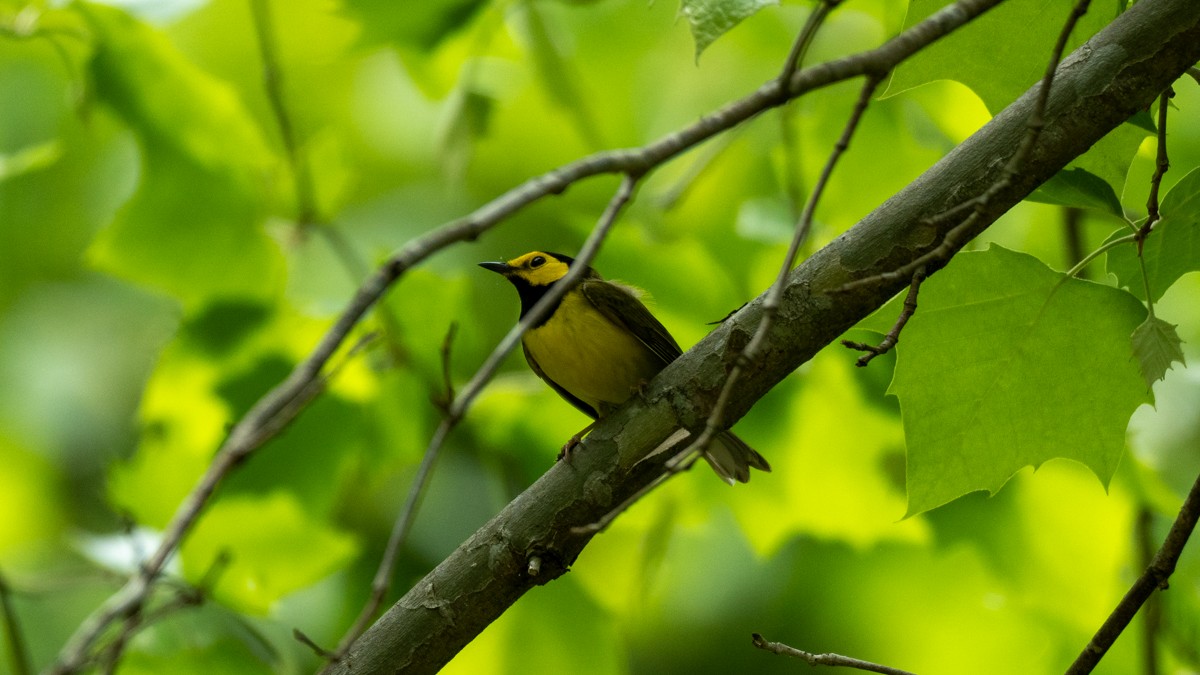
x,y
599,345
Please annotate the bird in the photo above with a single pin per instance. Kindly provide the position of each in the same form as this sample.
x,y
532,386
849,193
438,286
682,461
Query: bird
x,y
599,345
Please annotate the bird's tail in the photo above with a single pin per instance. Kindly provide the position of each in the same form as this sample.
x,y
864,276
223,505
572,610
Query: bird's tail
x,y
731,458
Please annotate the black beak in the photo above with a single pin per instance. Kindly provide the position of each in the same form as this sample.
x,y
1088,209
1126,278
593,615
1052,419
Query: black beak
x,y
499,267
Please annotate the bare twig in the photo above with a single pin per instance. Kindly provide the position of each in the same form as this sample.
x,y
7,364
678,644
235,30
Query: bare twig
x,y
715,421
186,595
952,241
793,63
280,405
893,336
1154,577
824,659
317,649
18,653
455,411
805,39
1161,165
1195,74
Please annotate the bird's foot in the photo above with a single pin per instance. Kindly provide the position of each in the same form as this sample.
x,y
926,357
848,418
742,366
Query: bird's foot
x,y
565,453
568,447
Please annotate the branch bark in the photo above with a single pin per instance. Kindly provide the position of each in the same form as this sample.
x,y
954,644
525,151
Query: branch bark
x,y
1098,87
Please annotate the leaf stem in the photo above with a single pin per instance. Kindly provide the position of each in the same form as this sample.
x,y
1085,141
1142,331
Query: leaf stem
x,y
1105,247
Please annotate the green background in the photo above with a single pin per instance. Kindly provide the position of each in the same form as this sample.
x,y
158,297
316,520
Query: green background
x,y
160,270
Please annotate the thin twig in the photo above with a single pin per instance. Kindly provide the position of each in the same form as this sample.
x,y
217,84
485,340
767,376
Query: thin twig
x,y
1195,73
893,336
18,653
457,409
1154,577
307,211
716,422
317,649
793,63
824,659
805,39
185,596
1161,165
280,405
953,239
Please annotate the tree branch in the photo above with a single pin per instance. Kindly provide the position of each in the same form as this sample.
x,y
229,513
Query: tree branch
x,y
1153,578
1099,87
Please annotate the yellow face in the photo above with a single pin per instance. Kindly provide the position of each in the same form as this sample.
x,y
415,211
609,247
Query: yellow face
x,y
537,268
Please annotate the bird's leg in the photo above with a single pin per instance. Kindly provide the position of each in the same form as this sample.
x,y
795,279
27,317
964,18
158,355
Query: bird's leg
x,y
574,441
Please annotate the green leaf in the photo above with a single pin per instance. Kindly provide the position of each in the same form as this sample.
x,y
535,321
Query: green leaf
x,y
1078,187
1110,157
1156,346
710,19
423,25
1000,54
272,545
1142,119
204,163
1171,250
1008,364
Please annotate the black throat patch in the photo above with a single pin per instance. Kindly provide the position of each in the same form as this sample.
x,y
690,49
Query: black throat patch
x,y
530,294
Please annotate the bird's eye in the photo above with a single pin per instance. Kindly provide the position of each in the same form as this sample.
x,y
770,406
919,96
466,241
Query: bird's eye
x,y
537,261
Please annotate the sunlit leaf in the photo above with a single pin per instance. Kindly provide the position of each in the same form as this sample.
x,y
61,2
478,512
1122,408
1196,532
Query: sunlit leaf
x,y
1006,365
710,19
1171,250
1156,346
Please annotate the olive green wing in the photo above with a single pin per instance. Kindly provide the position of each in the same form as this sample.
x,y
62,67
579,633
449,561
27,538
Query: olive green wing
x,y
623,308
537,370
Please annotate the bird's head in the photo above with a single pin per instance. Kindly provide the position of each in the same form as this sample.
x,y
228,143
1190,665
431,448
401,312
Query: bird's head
x,y
536,269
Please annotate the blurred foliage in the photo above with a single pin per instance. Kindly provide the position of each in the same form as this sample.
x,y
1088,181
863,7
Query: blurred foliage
x,y
166,258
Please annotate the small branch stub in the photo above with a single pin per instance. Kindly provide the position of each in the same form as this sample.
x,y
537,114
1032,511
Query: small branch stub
x,y
824,659
893,336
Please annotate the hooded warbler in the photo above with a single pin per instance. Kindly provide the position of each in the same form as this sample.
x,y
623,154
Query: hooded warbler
x,y
599,345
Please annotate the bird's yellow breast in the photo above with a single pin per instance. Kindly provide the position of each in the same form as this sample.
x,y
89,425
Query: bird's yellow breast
x,y
591,357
